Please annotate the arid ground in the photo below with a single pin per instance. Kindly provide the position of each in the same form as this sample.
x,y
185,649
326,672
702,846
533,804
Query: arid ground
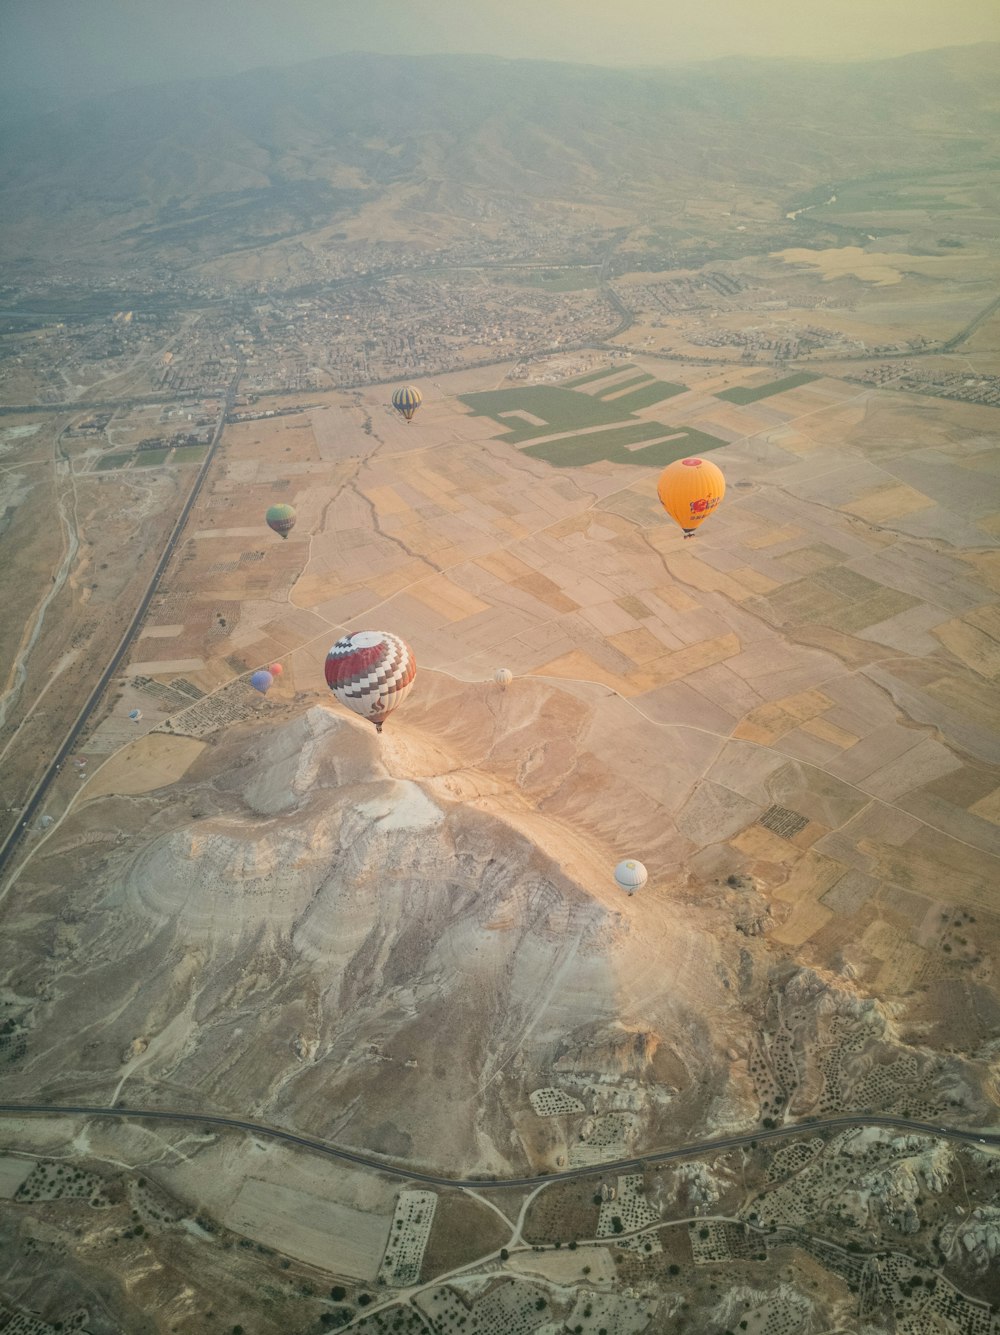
x,y
412,946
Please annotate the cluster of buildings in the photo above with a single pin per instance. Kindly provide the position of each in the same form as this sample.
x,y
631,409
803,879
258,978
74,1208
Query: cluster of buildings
x,y
353,333
203,362
54,361
93,426
202,437
772,343
714,288
963,385
378,331
256,414
713,293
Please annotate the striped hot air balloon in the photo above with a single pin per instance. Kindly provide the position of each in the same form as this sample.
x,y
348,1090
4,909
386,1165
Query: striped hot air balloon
x,y
371,672
281,518
689,491
407,401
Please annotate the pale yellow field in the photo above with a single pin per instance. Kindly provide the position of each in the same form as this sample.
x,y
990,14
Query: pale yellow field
x,y
148,763
315,1229
884,269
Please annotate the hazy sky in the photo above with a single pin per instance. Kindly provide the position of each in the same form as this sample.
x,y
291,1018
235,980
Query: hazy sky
x,y
80,46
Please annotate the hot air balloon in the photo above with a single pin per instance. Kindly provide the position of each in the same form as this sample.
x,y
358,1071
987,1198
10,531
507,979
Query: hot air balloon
x,y
689,490
503,677
630,876
276,669
262,681
407,401
371,672
135,715
281,518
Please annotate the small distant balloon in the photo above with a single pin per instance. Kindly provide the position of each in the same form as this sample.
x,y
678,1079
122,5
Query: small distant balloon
x,y
371,672
262,681
689,491
281,518
503,677
276,669
630,876
407,401
135,715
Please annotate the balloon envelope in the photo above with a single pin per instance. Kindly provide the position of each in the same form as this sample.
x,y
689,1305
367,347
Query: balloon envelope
x,y
407,401
630,875
262,681
371,672
281,518
276,669
503,676
689,490
135,715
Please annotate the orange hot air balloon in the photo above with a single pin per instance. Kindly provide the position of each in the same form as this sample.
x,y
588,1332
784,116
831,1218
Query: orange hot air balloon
x,y
276,669
689,490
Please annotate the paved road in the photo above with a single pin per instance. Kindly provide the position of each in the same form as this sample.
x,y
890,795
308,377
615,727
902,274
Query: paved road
x,y
694,1150
958,339
9,845
93,405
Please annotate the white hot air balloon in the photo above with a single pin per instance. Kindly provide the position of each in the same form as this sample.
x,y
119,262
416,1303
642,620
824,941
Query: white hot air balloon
x,y
630,876
503,677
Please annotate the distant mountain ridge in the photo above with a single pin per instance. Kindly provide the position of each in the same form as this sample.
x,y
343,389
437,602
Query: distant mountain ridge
x,y
285,148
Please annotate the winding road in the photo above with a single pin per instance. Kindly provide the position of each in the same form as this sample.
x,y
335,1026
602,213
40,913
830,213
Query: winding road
x,y
635,1164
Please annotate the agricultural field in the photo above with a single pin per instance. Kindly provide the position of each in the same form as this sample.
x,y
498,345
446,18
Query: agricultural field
x,y
530,411
619,386
551,280
930,192
754,393
565,424
645,445
591,377
647,395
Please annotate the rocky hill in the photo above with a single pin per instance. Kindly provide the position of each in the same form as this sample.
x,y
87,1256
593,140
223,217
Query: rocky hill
x,y
363,939
294,927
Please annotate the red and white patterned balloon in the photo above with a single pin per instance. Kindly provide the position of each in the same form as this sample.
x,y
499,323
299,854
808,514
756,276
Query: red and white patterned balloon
x,y
371,672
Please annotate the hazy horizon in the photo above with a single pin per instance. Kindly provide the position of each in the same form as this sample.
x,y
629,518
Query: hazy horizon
x,y
58,49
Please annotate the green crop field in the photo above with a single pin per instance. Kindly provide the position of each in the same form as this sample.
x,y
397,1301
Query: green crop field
x,y
746,394
187,454
596,375
550,280
572,418
604,390
645,397
107,461
149,458
560,410
575,451
867,200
